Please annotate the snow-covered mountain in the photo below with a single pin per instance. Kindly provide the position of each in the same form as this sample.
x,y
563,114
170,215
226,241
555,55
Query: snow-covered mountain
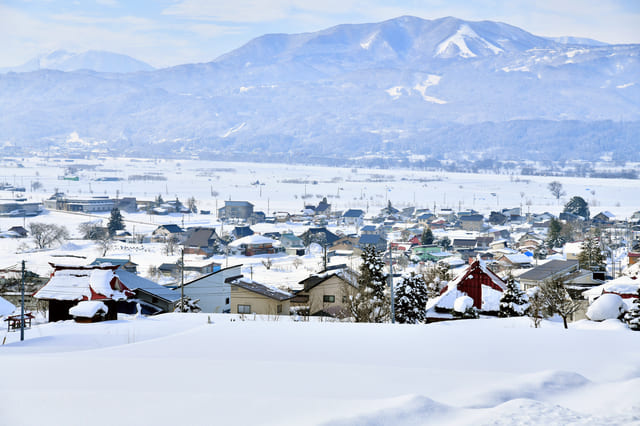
x,y
441,88
92,60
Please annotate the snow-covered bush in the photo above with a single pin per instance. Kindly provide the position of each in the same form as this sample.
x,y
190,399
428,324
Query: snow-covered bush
x,y
463,307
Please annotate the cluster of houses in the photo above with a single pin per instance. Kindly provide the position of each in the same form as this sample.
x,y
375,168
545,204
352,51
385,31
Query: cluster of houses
x,y
480,251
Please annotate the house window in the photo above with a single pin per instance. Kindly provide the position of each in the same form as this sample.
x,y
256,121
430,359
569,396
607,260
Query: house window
x,y
328,299
344,299
279,309
226,301
244,309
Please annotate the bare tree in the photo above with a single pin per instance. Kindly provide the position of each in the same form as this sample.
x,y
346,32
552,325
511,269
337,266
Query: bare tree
x,y
91,231
297,262
536,307
557,300
268,263
171,244
556,190
45,234
104,243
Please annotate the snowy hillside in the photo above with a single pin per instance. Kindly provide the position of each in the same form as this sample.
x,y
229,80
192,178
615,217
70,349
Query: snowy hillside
x,y
398,86
201,369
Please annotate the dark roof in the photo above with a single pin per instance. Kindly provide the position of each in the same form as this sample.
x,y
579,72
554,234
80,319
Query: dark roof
x,y
242,231
315,280
331,237
219,271
201,237
464,242
368,228
471,218
172,228
549,269
263,290
370,239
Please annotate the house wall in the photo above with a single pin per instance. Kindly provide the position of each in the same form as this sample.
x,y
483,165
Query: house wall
x,y
212,290
260,304
333,286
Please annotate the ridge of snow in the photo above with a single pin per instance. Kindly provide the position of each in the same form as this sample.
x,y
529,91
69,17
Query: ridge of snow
x,y
366,44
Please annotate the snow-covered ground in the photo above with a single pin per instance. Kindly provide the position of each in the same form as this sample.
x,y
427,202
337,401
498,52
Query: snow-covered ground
x,y
203,369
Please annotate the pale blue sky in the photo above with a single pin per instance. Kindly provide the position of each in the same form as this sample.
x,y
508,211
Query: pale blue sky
x,y
167,32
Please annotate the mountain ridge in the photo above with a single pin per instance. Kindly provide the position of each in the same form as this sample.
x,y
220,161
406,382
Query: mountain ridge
x,y
389,87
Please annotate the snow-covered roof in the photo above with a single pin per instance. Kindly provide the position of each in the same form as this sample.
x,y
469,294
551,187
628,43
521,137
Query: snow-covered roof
x,y
135,282
252,239
621,285
83,283
263,289
88,309
607,306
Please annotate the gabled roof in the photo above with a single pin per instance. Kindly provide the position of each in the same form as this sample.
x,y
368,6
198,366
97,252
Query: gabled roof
x,y
221,272
353,213
83,283
201,237
315,280
112,261
135,282
251,240
172,228
370,239
264,290
549,269
242,231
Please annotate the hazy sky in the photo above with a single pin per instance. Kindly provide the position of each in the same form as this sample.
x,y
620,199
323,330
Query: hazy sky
x,y
165,32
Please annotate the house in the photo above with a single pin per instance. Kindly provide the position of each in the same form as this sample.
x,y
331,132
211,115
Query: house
x,y
253,245
250,297
235,210
604,218
241,232
292,245
479,283
573,278
320,235
472,222
374,240
370,230
325,294
200,266
153,298
166,232
69,285
514,260
125,264
19,230
213,290
464,243
431,253
353,217
202,241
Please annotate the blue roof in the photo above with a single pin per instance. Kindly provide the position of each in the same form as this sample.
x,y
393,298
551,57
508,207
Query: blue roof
x,y
369,239
134,282
353,213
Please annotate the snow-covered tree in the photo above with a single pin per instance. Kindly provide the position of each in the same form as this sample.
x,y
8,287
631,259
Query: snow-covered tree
x,y
632,318
370,302
591,256
513,302
116,222
188,305
411,299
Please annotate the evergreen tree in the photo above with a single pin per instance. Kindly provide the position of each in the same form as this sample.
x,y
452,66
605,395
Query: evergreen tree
x,y
427,237
411,300
116,222
445,243
632,318
578,206
513,302
591,256
554,236
370,302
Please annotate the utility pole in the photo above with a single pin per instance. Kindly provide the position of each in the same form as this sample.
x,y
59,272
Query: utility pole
x,y
182,282
393,307
22,305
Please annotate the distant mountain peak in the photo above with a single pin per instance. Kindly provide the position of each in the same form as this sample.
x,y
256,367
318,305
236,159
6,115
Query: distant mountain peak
x,y
93,60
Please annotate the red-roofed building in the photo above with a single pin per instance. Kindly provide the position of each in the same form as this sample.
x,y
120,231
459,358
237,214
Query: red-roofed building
x,y
69,285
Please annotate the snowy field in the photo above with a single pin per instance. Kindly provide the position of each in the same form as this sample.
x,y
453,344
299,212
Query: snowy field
x,y
278,187
178,369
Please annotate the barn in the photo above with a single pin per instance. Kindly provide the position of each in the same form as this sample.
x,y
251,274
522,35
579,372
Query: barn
x,y
70,285
479,283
